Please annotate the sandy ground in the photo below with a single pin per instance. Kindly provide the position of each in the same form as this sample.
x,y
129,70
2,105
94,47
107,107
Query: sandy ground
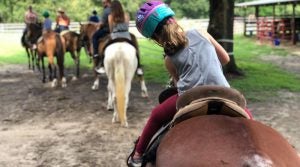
x,y
43,126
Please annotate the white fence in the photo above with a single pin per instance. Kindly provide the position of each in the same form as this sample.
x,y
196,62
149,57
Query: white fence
x,y
185,23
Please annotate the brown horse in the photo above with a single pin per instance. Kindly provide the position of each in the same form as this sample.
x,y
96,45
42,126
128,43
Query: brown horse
x,y
86,34
216,140
28,39
52,45
73,45
211,130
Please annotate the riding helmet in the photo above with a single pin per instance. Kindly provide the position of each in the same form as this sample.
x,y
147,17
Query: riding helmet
x,y
150,15
46,14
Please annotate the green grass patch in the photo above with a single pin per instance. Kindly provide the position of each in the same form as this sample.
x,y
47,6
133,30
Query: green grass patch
x,y
262,79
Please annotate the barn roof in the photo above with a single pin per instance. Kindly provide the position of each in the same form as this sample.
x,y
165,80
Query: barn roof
x,y
265,3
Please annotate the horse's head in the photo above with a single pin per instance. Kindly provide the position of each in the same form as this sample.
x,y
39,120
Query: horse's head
x,y
82,31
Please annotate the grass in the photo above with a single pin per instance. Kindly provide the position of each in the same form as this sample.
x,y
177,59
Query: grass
x,y
261,81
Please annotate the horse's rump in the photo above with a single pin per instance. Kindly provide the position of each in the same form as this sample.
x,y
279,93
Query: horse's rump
x,y
215,140
72,41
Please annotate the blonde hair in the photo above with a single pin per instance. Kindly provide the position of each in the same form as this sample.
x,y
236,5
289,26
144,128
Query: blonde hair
x,y
170,35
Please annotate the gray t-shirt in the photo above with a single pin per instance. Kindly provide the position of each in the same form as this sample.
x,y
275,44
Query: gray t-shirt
x,y
104,20
198,64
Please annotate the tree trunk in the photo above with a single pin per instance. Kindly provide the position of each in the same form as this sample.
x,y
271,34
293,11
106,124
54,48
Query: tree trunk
x,y
221,18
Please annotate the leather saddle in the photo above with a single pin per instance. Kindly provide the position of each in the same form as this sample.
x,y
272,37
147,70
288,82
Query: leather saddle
x,y
210,100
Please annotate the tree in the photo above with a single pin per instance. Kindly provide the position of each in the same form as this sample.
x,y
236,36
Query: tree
x,y
221,18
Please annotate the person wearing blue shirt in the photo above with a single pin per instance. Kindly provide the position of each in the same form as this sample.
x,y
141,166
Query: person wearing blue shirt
x,y
47,25
94,18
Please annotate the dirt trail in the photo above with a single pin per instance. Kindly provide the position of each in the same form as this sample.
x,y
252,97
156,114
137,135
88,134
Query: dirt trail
x,y
42,126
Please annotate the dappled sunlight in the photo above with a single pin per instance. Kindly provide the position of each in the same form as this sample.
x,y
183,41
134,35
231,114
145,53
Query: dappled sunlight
x,y
9,80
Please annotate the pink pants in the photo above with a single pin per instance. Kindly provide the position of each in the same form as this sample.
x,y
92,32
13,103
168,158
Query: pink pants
x,y
160,115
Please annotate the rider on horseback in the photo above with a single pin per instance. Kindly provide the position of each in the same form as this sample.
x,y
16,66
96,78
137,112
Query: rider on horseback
x,y
94,18
62,21
192,58
47,25
30,18
119,29
101,32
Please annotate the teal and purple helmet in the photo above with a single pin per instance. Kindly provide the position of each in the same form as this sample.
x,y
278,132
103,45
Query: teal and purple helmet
x,y
150,15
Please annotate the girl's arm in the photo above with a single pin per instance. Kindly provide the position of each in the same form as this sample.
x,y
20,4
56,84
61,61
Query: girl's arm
x,y
171,69
221,52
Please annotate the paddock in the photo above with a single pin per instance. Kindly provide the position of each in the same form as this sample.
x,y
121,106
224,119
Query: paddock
x,y
77,129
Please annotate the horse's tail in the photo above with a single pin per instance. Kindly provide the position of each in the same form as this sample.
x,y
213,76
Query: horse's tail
x,y
119,74
23,40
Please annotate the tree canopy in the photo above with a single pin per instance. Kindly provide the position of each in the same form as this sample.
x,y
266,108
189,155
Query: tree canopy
x,y
79,10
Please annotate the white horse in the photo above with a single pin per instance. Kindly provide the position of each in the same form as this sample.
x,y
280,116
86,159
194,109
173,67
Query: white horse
x,y
120,64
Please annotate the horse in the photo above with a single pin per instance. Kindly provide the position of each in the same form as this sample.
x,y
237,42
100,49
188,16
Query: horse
x,y
86,34
120,64
211,128
29,38
73,45
52,45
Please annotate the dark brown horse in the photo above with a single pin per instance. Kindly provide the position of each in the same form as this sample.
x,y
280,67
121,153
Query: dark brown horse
x,y
52,45
211,129
73,45
29,39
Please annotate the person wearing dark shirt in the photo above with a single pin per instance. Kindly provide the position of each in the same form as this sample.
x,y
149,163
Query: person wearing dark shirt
x,y
102,31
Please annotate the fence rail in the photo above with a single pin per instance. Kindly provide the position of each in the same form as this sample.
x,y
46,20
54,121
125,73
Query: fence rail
x,y
74,26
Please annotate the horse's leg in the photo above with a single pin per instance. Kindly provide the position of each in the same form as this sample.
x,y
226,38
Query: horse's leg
x,y
32,52
60,63
144,92
110,100
50,72
54,81
43,68
95,85
28,55
37,60
88,48
76,62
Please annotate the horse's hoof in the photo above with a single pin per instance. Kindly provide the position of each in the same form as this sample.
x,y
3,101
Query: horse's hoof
x,y
113,120
125,124
54,83
95,87
64,85
63,82
144,94
74,78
